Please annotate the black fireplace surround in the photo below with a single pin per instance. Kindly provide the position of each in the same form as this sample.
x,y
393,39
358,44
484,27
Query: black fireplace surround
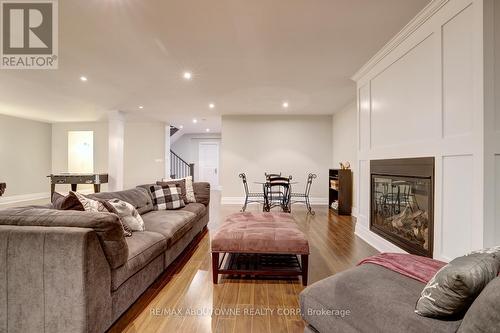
x,y
402,203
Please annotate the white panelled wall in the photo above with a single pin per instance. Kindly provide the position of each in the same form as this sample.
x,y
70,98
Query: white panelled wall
x,y
430,92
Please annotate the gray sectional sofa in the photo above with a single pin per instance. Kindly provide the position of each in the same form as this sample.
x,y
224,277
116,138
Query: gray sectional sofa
x,y
371,298
73,271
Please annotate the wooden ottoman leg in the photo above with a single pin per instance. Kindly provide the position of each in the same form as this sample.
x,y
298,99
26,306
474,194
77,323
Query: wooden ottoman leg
x,y
215,266
304,258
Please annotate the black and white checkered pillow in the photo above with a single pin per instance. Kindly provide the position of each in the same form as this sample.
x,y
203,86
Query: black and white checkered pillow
x,y
158,197
173,196
167,197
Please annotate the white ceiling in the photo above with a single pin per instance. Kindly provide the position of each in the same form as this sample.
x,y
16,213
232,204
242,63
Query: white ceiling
x,y
246,56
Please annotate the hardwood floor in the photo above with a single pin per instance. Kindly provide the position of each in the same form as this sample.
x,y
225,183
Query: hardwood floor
x,y
184,299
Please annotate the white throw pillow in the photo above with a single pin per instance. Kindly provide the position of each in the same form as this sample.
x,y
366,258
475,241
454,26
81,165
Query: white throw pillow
x,y
190,197
128,214
90,205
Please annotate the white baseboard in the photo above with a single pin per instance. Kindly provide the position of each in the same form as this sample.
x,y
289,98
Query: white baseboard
x,y
376,241
13,199
354,212
23,197
319,201
241,200
232,200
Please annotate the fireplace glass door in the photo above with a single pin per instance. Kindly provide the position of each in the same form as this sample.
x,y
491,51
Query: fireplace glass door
x,y
402,211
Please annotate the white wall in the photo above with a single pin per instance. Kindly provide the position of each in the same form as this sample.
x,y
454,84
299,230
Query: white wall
x,y
493,140
116,138
423,95
344,142
144,149
293,145
187,147
60,148
25,149
496,55
31,150
143,156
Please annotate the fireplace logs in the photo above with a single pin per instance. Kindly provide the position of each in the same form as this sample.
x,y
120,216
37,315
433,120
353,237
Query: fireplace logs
x,y
413,225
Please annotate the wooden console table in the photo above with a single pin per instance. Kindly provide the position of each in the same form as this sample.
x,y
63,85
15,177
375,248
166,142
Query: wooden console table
x,y
3,186
75,179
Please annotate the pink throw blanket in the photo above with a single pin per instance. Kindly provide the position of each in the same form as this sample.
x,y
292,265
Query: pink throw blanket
x,y
419,268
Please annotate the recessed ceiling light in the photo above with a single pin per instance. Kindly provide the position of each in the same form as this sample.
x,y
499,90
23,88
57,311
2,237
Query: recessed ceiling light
x,y
285,105
187,75
211,105
208,130
83,78
195,121
181,127
141,107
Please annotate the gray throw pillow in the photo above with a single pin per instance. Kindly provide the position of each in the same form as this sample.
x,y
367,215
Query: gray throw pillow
x,y
455,286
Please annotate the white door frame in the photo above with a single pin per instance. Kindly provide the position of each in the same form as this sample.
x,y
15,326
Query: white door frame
x,y
201,143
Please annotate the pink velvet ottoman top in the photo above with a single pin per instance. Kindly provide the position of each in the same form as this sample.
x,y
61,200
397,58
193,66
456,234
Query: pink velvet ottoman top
x,y
260,233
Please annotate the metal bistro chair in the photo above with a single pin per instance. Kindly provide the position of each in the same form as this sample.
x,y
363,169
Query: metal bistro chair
x,y
304,197
271,175
250,197
275,177
277,193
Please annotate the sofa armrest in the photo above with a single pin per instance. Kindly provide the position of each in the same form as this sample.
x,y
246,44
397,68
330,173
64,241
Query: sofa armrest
x,y
57,279
107,226
202,192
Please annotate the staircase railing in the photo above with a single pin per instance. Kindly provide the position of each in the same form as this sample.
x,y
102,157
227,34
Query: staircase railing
x,y
180,168
173,130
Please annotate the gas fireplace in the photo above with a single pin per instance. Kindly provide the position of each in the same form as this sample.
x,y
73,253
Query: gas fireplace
x,y
402,203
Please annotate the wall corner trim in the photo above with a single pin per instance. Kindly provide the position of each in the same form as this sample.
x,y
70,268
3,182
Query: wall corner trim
x,y
401,36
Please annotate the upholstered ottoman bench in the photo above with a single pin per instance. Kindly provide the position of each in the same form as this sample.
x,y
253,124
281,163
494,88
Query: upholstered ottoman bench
x,y
260,244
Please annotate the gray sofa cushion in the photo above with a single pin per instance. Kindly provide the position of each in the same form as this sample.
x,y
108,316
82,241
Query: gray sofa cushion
x,y
379,300
107,226
202,192
484,313
144,247
132,289
196,208
137,197
172,224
